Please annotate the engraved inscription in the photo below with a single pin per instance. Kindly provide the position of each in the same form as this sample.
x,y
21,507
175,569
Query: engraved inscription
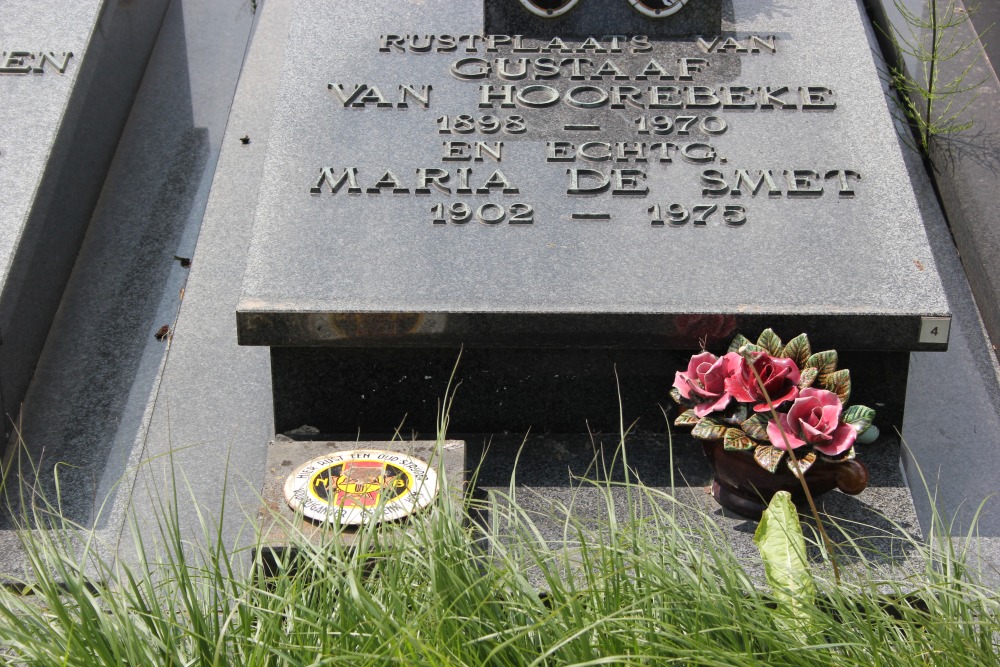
x,y
796,182
362,95
611,116
459,181
19,61
489,124
539,96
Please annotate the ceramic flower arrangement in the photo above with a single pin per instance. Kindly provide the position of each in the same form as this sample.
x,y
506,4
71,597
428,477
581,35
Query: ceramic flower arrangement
x,y
723,400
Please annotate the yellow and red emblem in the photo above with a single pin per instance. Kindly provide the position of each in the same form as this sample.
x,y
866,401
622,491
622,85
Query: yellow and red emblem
x,y
361,485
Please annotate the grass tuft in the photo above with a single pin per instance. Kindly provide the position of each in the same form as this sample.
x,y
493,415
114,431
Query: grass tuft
x,y
651,583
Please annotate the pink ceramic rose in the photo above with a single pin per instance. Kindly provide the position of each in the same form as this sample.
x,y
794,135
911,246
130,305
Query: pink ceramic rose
x,y
814,419
705,381
779,375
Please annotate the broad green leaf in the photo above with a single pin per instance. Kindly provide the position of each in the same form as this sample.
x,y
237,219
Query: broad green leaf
x,y
737,441
687,418
709,428
824,362
768,457
839,382
807,377
798,350
739,341
805,462
770,342
756,427
858,416
750,347
783,550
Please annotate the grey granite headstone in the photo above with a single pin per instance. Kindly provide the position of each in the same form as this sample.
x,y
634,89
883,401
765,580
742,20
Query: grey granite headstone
x,y
428,191
68,75
427,187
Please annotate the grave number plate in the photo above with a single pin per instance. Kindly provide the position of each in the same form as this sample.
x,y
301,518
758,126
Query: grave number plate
x,y
935,329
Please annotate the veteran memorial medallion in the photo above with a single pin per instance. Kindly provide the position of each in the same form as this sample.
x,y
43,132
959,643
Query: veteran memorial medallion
x,y
359,486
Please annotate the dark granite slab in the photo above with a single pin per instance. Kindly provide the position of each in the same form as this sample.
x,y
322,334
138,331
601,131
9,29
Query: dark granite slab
x,y
380,390
601,17
575,481
561,234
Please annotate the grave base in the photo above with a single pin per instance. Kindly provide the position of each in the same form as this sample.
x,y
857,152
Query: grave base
x,y
570,477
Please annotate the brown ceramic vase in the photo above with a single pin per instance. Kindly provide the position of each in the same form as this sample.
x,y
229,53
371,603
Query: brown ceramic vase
x,y
744,487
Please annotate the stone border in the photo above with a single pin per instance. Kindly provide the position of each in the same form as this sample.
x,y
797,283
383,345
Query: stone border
x,y
966,166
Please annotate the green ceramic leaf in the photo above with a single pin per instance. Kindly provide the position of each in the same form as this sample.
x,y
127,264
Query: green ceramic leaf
x,y
756,427
687,418
737,441
768,457
839,382
807,377
676,395
824,362
849,455
805,462
786,568
750,347
739,341
709,428
737,416
798,350
770,342
858,416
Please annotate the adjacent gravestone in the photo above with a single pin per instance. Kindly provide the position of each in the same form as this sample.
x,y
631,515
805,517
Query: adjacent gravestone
x,y
68,74
560,203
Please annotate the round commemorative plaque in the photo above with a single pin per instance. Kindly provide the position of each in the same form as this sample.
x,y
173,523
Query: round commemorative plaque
x,y
658,8
549,9
361,485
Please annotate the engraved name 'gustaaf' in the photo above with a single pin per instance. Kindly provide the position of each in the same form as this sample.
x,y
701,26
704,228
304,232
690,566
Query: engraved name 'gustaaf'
x,y
20,61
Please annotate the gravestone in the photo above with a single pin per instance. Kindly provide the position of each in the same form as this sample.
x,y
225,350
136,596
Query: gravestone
x,y
68,75
575,209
